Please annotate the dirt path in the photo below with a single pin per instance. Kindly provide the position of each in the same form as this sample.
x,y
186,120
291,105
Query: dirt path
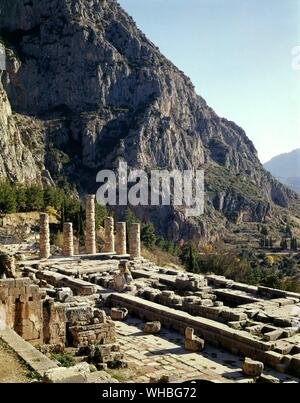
x,y
11,370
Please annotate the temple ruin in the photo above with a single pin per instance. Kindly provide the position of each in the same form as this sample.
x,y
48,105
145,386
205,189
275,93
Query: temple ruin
x,y
79,301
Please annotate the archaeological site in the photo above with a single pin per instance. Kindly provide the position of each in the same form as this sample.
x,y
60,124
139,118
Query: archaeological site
x,y
144,238
117,316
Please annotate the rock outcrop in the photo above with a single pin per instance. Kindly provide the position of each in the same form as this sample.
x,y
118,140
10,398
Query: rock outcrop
x,y
94,90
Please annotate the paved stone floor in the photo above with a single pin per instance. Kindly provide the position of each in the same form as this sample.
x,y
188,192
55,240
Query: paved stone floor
x,y
154,356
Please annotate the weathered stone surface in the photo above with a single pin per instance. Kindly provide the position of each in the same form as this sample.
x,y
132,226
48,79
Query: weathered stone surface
x,y
77,374
21,308
192,342
252,368
121,248
7,266
135,241
152,327
109,245
90,226
44,236
118,313
68,249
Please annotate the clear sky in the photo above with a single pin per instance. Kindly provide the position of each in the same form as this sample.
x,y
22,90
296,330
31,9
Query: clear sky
x,y
238,53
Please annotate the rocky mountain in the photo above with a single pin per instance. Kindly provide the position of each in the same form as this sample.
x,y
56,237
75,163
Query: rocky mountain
x,y
87,88
286,168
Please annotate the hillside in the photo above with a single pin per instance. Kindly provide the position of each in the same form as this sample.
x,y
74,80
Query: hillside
x,y
85,88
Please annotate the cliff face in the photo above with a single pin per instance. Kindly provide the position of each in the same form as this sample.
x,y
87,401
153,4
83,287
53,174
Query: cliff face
x,y
16,161
95,90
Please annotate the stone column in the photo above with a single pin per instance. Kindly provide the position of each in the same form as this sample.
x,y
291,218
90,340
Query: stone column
x,y
68,249
90,227
135,241
121,238
109,246
44,236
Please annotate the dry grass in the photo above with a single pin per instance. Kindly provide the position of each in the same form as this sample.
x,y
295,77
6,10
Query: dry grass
x,y
162,258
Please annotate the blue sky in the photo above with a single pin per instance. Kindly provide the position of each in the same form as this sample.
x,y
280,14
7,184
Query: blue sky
x,y
238,53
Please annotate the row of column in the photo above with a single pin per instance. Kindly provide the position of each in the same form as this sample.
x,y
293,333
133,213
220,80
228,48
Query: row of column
x,y
114,243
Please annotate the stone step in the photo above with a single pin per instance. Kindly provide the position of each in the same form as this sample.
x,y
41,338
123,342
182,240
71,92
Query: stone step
x,y
33,358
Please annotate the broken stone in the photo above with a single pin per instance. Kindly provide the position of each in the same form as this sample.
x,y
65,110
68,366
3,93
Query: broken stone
x,y
252,368
152,327
119,313
77,374
192,342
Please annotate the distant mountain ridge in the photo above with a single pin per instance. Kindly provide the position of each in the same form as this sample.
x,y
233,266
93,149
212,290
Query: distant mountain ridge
x,y
286,168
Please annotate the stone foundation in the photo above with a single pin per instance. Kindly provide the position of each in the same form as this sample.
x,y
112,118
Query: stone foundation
x,y
21,309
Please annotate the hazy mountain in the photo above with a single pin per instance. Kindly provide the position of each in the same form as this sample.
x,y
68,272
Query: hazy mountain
x,y
286,168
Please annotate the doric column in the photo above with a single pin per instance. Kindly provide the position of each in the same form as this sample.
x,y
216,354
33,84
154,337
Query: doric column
x,y
135,241
121,238
109,246
44,236
68,239
90,227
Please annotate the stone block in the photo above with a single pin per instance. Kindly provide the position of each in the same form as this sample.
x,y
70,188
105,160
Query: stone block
x,y
252,368
119,313
152,327
77,374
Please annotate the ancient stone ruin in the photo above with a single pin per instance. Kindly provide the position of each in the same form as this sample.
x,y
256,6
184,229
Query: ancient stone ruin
x,y
83,303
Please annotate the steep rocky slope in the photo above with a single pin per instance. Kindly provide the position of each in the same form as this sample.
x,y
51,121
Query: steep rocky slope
x,y
93,89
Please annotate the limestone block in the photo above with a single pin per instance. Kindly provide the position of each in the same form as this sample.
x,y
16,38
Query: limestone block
x,y
44,236
90,226
109,245
77,374
121,238
79,314
152,327
192,342
119,313
252,368
274,335
68,248
135,241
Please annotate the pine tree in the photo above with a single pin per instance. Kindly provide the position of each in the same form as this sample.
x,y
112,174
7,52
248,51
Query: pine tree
x,y
148,236
8,202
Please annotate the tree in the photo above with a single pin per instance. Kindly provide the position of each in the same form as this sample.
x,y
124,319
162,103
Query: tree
x,y
148,236
34,198
101,212
21,199
8,202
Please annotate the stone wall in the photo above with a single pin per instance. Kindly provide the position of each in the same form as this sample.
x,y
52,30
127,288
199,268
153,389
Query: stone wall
x,y
21,308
